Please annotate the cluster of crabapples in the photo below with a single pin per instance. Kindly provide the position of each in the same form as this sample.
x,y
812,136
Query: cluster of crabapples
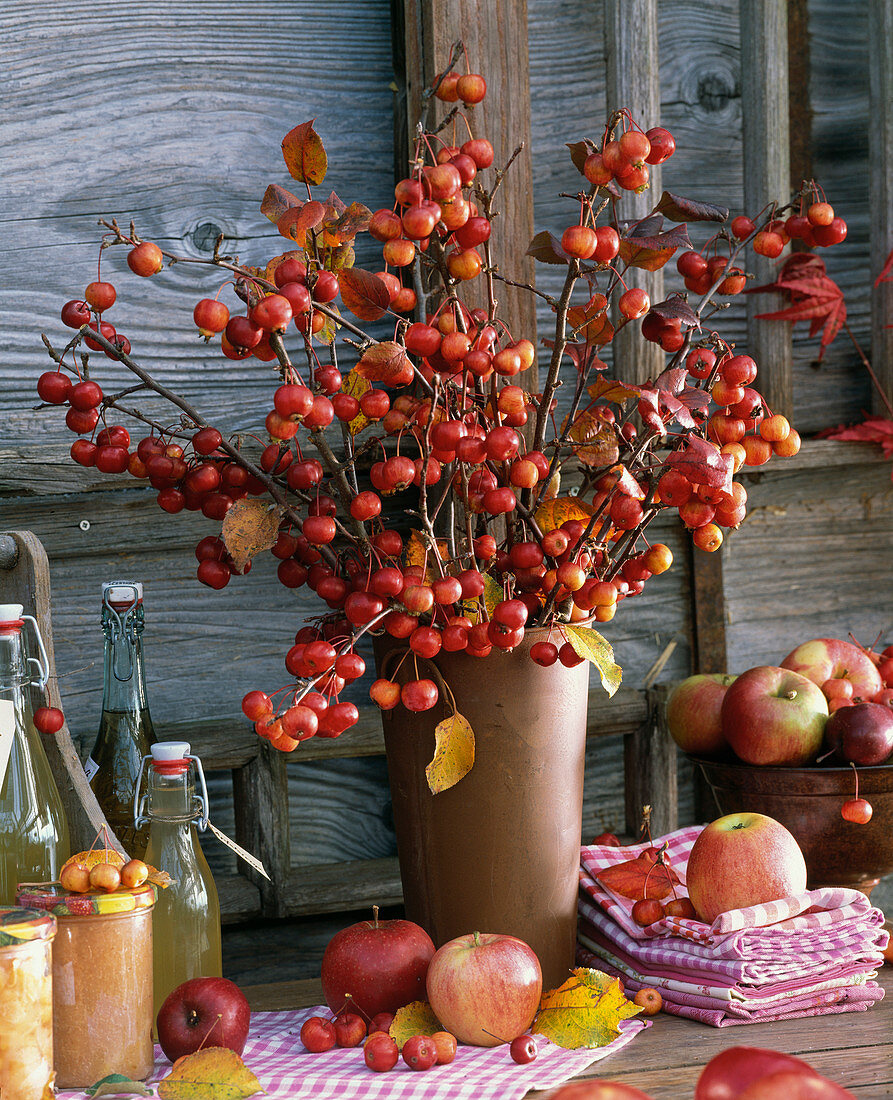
x,y
451,433
381,1052
78,877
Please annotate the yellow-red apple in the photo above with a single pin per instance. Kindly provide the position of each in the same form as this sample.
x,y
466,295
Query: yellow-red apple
x,y
693,713
831,659
740,860
485,988
774,716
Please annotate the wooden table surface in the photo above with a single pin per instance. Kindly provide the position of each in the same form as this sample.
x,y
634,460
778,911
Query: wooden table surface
x,y
855,1049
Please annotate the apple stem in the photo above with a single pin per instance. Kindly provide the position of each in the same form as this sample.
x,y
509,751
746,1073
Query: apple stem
x,y
856,774
374,916
477,943
208,1032
495,1036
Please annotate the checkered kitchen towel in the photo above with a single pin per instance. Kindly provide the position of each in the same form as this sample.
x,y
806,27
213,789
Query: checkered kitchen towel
x,y
800,956
287,1071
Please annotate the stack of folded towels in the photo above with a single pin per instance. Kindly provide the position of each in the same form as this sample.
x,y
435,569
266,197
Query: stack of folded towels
x,y
807,955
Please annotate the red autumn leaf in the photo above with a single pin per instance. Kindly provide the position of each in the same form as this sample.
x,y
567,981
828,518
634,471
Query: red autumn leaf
x,y
295,222
336,203
679,209
675,308
703,463
609,389
871,430
579,150
581,355
886,274
649,248
276,201
596,441
546,248
305,156
343,225
364,294
382,362
812,294
591,323
629,879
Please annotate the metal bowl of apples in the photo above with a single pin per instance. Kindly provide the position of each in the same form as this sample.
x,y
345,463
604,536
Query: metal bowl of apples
x,y
764,743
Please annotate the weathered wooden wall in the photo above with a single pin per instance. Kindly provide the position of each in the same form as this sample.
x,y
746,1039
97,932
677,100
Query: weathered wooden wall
x,y
173,116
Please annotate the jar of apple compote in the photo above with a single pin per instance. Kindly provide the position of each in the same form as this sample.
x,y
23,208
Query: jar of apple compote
x,y
26,1004
102,982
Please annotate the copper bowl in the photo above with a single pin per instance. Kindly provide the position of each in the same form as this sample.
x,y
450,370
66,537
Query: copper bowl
x,y
807,801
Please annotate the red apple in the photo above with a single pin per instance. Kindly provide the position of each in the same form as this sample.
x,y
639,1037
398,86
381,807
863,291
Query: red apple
x,y
862,734
794,1086
729,1073
774,716
381,964
598,1090
830,658
485,982
203,1012
740,860
693,713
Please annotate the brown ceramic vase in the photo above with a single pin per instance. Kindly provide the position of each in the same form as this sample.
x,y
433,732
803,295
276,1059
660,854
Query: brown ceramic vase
x,y
499,851
807,801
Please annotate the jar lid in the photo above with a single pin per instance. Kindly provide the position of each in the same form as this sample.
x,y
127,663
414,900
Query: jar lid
x,y
21,925
94,903
11,613
170,757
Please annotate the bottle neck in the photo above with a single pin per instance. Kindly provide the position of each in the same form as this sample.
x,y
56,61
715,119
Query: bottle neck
x,y
124,682
13,668
172,797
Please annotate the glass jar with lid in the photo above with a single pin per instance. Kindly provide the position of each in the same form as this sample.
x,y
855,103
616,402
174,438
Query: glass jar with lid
x,y
26,1003
102,982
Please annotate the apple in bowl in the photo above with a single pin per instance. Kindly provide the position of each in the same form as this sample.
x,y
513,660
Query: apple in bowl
x,y
693,714
741,860
833,659
773,715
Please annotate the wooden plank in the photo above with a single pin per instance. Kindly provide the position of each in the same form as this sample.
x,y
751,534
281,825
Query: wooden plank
x,y
495,37
708,611
764,90
650,775
260,798
329,888
880,193
633,82
239,899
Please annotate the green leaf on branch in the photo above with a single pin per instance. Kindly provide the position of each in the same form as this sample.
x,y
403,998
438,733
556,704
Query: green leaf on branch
x,y
453,753
364,294
305,156
590,644
585,1011
678,209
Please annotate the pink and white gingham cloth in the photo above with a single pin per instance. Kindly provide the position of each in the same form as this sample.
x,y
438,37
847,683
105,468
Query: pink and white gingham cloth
x,y
814,953
275,1055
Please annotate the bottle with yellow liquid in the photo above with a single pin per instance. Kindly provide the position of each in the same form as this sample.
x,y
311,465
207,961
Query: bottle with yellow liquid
x,y
186,918
33,830
125,726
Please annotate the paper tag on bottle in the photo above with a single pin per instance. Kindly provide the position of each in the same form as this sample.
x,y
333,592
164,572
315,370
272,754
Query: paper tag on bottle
x,y
7,733
90,768
240,852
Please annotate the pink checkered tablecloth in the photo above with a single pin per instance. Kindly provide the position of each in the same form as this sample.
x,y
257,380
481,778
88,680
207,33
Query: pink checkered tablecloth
x,y
287,1071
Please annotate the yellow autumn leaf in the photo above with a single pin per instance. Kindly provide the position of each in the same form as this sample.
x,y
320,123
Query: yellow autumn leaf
x,y
609,389
590,644
418,553
584,1012
356,385
251,525
416,1018
596,442
213,1073
453,753
553,513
